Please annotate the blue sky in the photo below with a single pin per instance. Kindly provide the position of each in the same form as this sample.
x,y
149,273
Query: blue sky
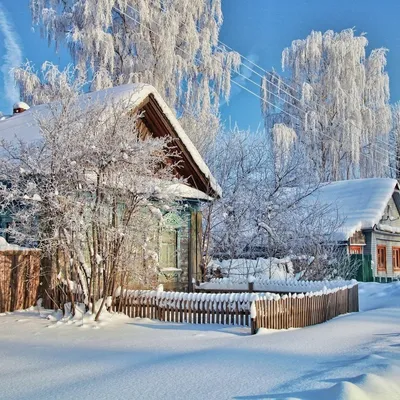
x,y
256,28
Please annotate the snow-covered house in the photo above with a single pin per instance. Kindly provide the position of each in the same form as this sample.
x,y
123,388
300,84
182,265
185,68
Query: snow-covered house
x,y
370,213
179,246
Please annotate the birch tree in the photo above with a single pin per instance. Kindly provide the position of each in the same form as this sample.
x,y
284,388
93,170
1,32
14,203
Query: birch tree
x,y
336,98
172,45
84,192
395,141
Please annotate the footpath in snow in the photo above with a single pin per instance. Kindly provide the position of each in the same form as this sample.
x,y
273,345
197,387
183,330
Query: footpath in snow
x,y
354,356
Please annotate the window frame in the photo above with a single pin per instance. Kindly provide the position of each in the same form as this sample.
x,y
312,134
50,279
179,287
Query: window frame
x,y
381,248
355,247
396,265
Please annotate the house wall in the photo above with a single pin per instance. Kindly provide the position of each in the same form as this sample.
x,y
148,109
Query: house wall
x,y
373,239
368,243
386,239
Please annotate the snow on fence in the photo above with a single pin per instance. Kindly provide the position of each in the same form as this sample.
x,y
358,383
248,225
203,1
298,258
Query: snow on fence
x,y
192,308
255,310
260,284
300,310
269,310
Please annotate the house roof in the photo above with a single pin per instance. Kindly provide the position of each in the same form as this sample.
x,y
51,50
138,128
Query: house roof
x,y
359,203
157,114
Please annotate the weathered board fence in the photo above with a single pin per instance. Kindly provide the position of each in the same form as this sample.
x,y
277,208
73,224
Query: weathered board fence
x,y
269,310
19,278
302,310
192,308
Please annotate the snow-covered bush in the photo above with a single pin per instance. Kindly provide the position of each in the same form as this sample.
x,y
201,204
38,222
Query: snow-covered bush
x,y
267,209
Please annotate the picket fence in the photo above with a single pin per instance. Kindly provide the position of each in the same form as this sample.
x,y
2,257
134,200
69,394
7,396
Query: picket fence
x,y
254,310
269,310
192,308
301,310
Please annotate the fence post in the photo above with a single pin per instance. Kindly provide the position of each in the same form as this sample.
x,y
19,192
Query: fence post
x,y
253,326
251,287
253,317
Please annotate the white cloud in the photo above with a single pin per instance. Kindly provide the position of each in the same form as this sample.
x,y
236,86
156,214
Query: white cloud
x,y
12,57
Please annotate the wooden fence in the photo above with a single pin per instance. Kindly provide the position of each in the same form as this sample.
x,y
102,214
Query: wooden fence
x,y
304,310
19,279
270,311
186,307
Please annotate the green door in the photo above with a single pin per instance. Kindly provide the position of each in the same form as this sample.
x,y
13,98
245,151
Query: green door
x,y
364,271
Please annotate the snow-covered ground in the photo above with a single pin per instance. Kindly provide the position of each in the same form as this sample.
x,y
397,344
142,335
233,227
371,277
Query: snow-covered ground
x,y
355,356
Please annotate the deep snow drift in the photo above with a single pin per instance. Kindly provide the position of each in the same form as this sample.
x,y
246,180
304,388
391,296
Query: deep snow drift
x,y
355,356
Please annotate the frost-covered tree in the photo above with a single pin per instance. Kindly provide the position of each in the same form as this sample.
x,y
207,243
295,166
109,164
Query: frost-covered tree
x,y
267,209
172,45
395,141
336,98
84,192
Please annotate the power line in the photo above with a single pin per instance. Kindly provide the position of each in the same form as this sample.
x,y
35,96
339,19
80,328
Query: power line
x,y
379,149
196,59
275,75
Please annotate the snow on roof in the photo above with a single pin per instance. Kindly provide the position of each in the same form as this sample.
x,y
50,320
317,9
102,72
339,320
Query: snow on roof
x,y
360,203
24,127
184,191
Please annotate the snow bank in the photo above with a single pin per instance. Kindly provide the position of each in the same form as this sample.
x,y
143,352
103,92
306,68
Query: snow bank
x,y
375,295
4,245
85,319
352,357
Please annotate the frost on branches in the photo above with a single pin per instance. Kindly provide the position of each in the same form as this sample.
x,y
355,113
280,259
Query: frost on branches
x,y
395,140
84,193
172,45
268,209
336,98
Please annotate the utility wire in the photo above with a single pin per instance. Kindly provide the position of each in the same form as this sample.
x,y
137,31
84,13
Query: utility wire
x,y
378,149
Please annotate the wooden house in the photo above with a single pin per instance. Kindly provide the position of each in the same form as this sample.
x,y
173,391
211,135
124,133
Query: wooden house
x,y
179,245
370,213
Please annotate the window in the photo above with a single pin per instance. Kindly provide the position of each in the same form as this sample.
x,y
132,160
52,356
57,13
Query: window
x,y
381,252
169,241
396,259
168,253
356,250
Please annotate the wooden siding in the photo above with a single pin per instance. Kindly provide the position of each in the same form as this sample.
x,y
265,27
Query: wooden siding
x,y
390,241
159,126
19,279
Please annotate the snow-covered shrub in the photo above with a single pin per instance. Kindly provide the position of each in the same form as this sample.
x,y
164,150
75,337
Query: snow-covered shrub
x,y
267,210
